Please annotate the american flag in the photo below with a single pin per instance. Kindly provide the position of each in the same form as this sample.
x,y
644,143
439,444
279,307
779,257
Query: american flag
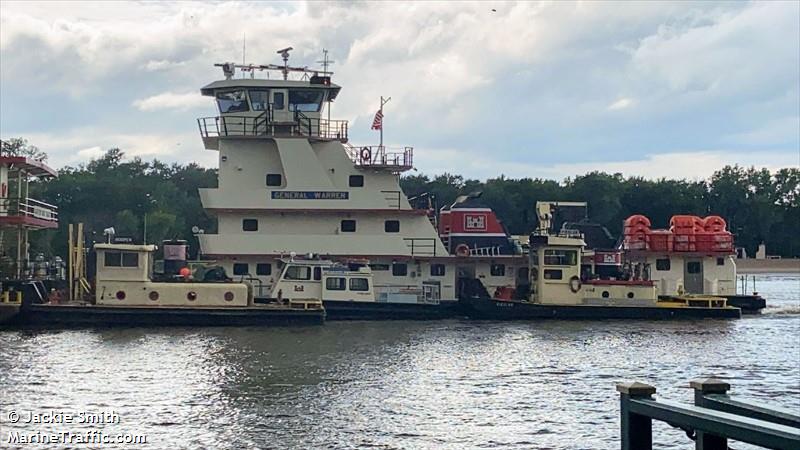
x,y
377,123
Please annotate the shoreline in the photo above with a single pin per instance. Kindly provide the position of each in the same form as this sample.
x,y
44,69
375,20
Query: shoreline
x,y
768,266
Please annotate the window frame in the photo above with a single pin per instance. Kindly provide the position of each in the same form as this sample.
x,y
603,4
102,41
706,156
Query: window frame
x,y
562,257
438,273
252,103
395,271
661,266
355,177
359,289
497,270
286,274
240,265
128,263
280,180
244,101
250,221
116,255
266,273
391,221
348,221
341,284
548,274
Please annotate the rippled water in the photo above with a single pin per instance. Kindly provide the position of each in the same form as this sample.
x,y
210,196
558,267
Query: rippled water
x,y
449,384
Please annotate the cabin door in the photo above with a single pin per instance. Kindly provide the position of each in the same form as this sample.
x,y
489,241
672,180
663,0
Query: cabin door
x,y
693,276
279,99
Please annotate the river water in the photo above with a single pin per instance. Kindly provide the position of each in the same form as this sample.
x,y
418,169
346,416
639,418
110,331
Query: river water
x,y
434,385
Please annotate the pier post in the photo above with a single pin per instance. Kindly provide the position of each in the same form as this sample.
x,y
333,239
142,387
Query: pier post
x,y
702,387
637,430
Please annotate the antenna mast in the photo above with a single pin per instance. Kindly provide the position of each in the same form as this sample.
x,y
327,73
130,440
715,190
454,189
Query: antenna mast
x,y
325,63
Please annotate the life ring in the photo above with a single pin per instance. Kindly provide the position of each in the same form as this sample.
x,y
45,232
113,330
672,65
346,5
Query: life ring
x,y
462,250
575,284
366,154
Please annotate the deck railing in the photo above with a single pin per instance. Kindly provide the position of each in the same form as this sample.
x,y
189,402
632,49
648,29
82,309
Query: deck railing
x,y
28,207
382,157
421,246
710,422
266,125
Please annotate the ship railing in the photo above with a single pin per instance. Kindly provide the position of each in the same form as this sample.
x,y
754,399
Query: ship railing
x,y
396,159
711,421
485,251
265,125
421,246
28,207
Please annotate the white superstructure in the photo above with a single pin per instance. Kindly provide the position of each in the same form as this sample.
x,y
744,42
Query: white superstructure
x,y
289,182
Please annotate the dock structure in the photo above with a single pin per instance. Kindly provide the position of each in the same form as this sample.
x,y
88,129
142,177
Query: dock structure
x,y
711,421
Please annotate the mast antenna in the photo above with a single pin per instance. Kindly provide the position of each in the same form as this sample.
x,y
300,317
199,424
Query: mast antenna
x,y
325,63
285,55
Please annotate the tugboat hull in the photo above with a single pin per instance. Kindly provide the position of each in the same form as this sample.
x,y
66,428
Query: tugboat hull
x,y
103,316
348,310
491,309
9,313
749,304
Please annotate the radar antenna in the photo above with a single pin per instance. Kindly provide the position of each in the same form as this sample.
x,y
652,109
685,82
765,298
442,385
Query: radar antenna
x,y
285,55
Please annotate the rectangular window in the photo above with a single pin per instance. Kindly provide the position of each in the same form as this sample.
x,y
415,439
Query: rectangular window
x,y
694,267
232,101
553,274
359,284
274,179
277,100
113,259
399,269
317,273
391,226
263,269
348,226
437,270
560,257
298,273
305,100
335,284
130,259
259,99
377,267
356,180
720,261
249,224
241,268
498,270
663,264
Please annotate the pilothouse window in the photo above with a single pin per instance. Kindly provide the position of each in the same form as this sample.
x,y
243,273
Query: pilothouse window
x,y
298,273
232,101
303,100
259,100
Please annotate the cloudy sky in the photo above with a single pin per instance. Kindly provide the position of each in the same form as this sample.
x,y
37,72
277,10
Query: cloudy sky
x,y
529,89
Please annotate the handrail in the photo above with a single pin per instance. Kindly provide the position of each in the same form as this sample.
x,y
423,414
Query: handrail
x,y
28,207
381,157
421,246
710,428
265,125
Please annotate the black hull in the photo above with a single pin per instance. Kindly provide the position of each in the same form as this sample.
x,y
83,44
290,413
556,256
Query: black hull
x,y
489,309
9,313
111,316
346,310
749,304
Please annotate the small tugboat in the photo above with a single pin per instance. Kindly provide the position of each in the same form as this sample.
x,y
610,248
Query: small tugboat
x,y
348,291
127,293
559,290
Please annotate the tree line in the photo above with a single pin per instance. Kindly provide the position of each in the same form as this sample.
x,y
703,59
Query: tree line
x,y
136,196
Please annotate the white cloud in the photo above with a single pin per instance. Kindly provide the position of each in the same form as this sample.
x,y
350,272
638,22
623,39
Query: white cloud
x,y
621,104
171,100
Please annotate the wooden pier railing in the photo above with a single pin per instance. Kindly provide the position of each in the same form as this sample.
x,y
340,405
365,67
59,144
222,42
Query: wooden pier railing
x,y
711,421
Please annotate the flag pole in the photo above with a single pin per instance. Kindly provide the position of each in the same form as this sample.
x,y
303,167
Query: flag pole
x,y
383,102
